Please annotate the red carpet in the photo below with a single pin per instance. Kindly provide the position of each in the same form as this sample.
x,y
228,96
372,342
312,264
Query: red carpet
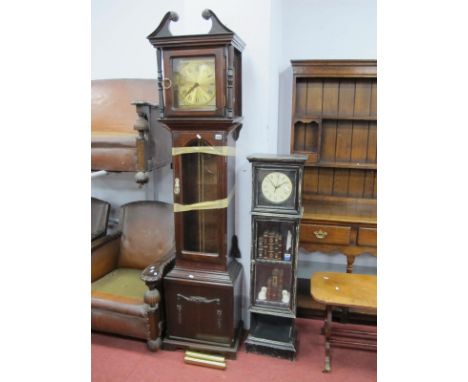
x,y
116,359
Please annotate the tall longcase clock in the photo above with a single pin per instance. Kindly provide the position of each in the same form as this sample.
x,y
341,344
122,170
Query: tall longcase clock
x,y
199,81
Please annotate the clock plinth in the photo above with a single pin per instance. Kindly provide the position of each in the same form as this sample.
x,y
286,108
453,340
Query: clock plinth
x,y
205,309
199,81
275,336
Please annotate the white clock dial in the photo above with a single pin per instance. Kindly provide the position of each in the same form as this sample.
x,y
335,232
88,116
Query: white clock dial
x,y
276,187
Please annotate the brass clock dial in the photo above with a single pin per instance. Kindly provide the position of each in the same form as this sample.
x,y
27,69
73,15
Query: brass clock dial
x,y
276,187
195,83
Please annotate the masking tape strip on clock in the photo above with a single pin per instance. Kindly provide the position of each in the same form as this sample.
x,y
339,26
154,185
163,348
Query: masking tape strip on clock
x,y
209,205
224,151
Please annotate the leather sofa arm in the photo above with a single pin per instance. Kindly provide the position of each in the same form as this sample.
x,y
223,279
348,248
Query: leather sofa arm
x,y
104,256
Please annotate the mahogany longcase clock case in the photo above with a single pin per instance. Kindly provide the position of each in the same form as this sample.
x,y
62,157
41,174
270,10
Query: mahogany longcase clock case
x,y
199,84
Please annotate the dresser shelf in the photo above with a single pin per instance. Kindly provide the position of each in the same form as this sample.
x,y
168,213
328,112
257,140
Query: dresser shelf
x,y
337,209
335,118
353,165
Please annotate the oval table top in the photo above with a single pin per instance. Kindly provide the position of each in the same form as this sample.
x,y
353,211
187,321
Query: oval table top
x,y
345,289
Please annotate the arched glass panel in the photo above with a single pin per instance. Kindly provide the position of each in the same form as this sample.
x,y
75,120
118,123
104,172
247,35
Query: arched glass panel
x,y
200,184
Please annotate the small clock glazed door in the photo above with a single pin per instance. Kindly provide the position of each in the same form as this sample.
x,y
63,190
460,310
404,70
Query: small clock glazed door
x,y
200,197
274,264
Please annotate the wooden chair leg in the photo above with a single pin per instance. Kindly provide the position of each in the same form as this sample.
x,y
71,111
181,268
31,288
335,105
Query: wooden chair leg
x,y
152,297
327,329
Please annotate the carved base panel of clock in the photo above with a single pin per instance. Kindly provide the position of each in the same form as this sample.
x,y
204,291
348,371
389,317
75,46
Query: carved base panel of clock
x,y
204,309
273,336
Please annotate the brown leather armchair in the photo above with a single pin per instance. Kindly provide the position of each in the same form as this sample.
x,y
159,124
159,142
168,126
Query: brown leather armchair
x,y
99,218
141,253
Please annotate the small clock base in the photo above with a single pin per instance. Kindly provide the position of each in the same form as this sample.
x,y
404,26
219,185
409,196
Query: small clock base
x,y
273,336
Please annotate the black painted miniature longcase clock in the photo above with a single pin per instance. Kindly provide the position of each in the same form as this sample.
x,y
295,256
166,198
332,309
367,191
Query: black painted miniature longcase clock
x,y
199,81
276,214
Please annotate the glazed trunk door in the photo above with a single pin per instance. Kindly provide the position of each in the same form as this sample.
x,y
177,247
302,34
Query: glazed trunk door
x,y
200,228
199,185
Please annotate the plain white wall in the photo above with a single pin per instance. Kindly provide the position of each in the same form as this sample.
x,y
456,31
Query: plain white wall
x,y
329,29
274,31
119,48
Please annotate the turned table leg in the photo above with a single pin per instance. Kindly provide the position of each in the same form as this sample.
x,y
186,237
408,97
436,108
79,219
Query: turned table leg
x,y
327,330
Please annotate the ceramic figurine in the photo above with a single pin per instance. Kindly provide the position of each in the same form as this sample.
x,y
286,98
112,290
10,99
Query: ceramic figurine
x,y
262,293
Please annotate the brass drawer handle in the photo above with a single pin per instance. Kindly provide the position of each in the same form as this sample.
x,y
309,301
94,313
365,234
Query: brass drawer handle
x,y
320,234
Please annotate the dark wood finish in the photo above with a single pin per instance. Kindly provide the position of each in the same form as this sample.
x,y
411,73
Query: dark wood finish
x,y
204,288
290,165
204,310
335,68
221,43
340,178
218,53
217,185
273,271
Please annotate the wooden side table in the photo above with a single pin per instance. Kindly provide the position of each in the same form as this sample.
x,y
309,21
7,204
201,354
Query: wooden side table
x,y
345,290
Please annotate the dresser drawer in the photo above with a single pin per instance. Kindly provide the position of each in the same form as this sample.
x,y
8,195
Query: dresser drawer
x,y
326,234
367,237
